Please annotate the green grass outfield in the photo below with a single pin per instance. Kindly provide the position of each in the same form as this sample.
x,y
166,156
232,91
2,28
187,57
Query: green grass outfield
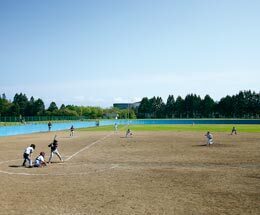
x,y
195,128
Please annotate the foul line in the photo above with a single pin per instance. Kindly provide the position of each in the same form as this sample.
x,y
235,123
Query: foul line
x,y
88,146
114,166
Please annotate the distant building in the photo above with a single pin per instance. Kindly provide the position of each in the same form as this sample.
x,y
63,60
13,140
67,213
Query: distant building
x,y
135,104
126,105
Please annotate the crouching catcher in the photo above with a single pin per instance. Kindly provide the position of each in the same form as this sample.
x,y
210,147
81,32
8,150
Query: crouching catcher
x,y
39,161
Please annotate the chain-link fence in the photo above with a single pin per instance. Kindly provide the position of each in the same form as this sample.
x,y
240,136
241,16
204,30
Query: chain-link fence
x,y
24,119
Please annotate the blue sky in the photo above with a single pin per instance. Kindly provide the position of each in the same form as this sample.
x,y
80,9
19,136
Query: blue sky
x,y
97,52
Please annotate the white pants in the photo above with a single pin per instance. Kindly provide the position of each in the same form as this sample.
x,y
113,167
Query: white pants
x,y
55,152
210,141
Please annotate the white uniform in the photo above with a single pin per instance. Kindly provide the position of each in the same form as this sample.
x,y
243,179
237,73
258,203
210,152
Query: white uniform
x,y
128,133
26,155
115,126
29,150
38,161
209,139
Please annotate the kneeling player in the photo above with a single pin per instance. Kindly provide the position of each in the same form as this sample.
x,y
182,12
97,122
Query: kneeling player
x,y
39,161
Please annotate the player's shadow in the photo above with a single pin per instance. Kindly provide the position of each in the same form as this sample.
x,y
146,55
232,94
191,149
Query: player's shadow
x,y
15,166
66,137
200,145
55,162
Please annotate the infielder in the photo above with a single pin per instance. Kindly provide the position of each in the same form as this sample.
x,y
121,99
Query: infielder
x,y
128,133
234,130
209,137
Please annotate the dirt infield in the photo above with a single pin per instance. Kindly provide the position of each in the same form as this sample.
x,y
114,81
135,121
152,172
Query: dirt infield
x,y
150,173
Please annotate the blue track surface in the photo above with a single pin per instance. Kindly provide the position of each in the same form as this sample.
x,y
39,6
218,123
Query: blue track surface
x,y
32,128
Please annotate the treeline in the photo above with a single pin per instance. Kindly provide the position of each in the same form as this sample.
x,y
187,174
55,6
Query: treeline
x,y
245,104
22,107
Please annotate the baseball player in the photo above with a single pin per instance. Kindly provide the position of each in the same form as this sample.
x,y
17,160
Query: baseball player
x,y
71,131
39,161
128,133
115,127
49,125
54,150
209,137
234,130
27,155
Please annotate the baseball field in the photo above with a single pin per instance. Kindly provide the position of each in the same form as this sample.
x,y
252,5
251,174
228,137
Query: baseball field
x,y
158,170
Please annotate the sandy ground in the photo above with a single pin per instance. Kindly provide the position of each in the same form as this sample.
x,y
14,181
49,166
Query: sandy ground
x,y
149,173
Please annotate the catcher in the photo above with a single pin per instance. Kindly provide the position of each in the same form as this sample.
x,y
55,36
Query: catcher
x,y
39,161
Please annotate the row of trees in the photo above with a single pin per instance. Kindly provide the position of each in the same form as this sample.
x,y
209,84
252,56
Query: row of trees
x,y
21,106
245,104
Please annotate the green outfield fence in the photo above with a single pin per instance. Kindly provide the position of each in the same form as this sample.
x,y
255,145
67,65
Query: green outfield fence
x,y
40,118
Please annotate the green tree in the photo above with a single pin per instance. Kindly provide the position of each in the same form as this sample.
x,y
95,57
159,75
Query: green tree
x,y
14,110
170,106
52,107
157,107
207,106
179,107
144,110
20,102
226,107
4,105
30,108
126,114
39,107
62,107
